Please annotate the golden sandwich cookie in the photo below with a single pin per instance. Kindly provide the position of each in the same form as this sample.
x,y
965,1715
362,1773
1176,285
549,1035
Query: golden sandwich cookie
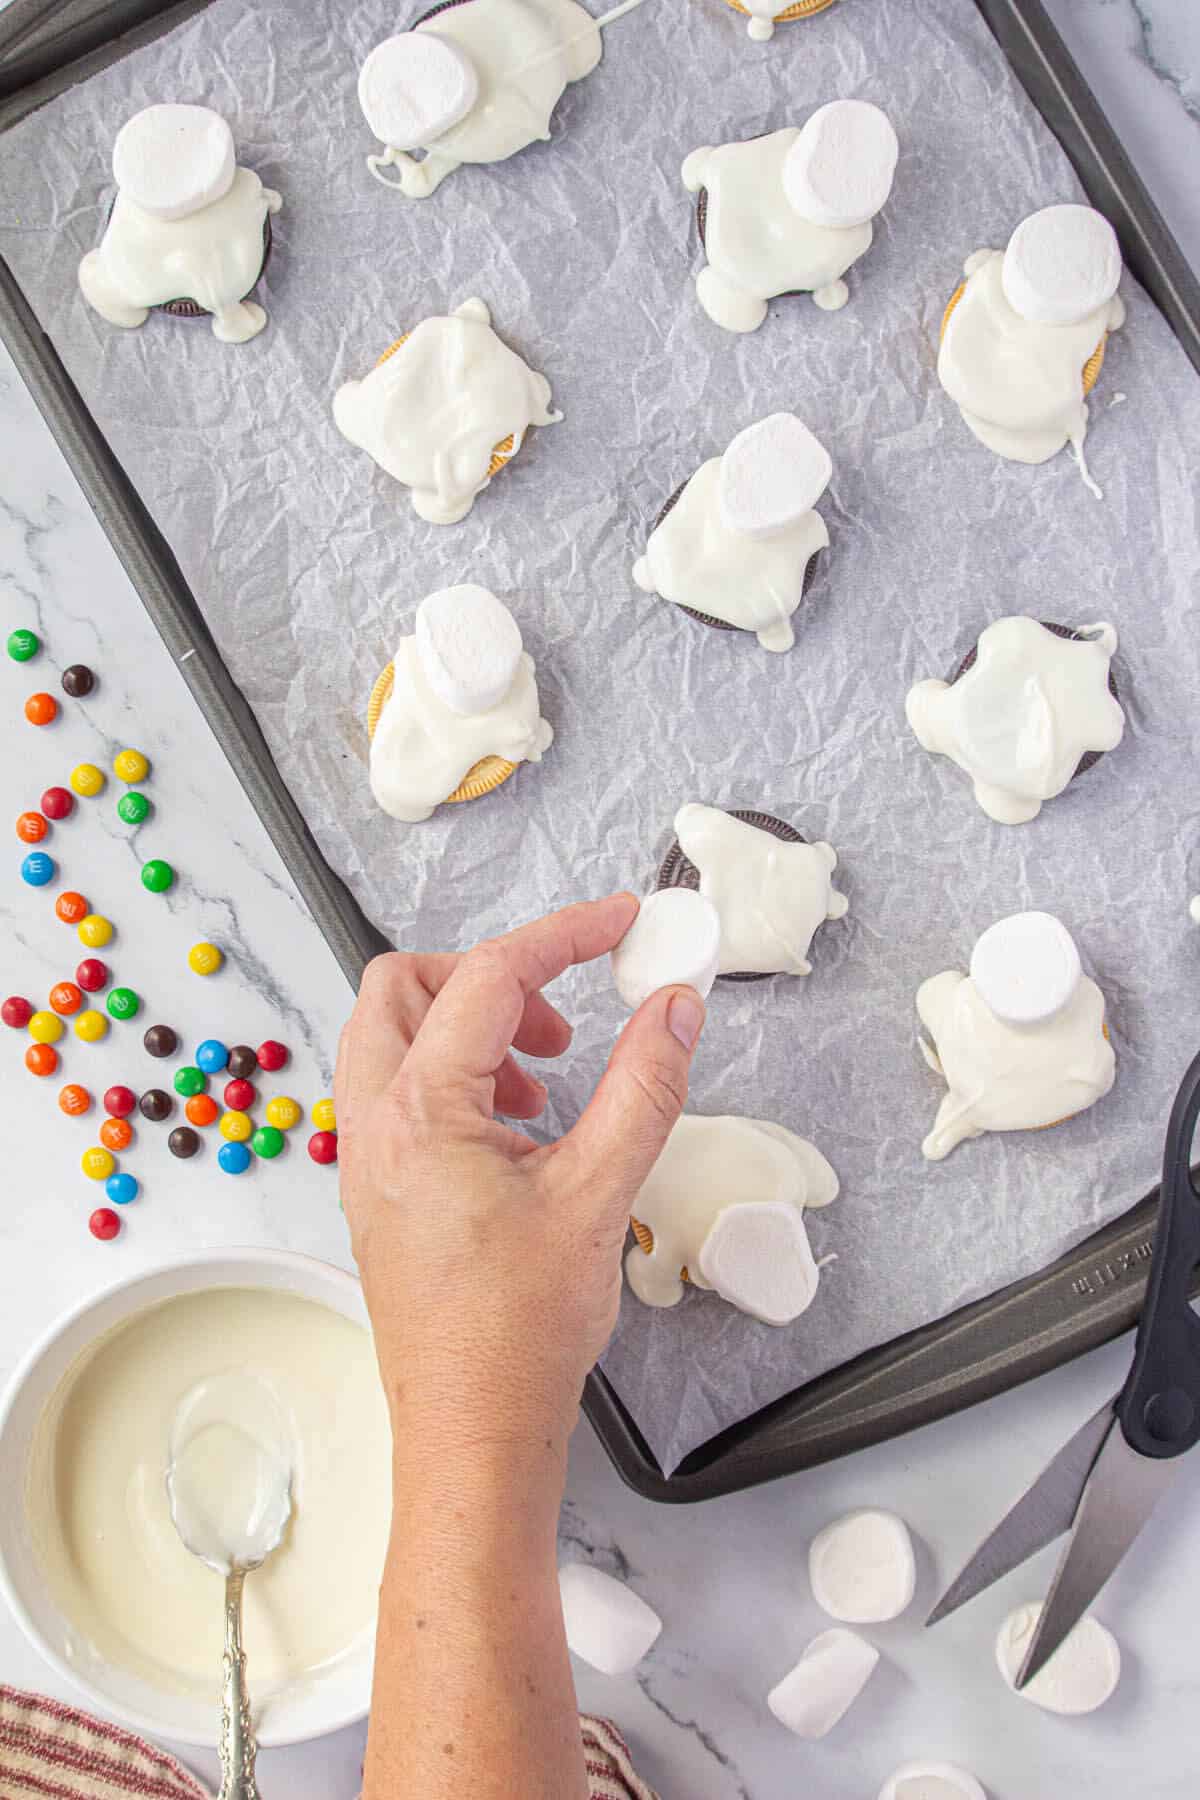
x,y
491,772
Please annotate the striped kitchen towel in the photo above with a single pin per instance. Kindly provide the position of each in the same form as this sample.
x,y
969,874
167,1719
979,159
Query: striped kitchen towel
x,y
49,1751
609,1768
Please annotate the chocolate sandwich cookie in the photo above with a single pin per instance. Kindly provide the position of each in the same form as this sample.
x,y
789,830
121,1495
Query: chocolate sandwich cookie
x,y
702,214
192,309
1091,368
705,618
678,870
1090,757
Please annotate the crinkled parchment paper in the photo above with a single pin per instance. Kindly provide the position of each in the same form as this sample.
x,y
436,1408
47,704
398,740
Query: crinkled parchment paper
x,y
309,561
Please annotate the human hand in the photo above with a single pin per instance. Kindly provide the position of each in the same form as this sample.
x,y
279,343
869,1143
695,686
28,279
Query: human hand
x,y
492,1265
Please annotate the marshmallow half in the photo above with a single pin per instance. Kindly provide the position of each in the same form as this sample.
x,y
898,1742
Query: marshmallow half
x,y
415,86
470,648
1081,1675
824,1684
1061,264
1026,968
772,474
172,160
758,1257
839,171
607,1624
863,1568
674,941
931,1781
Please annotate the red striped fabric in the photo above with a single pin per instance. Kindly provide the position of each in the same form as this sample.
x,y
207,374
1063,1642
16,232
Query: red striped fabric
x,y
610,1769
51,1751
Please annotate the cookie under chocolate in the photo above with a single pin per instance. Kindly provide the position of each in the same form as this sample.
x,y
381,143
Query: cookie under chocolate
x,y
192,309
705,618
702,216
1090,757
680,871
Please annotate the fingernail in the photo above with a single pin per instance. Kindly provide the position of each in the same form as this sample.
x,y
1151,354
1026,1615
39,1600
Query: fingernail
x,y
685,1017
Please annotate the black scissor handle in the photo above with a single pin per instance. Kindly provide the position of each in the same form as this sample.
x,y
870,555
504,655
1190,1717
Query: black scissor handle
x,y
1159,1407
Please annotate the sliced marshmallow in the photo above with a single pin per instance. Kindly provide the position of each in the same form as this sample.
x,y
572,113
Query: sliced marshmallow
x,y
1061,264
863,1568
1194,910
1026,968
931,1781
608,1625
415,86
771,475
839,171
758,1257
1081,1675
674,941
824,1684
172,160
470,648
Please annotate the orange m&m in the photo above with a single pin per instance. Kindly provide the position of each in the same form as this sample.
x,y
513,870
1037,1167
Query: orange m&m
x,y
116,1134
72,907
31,828
41,1059
202,1109
66,998
74,1100
41,709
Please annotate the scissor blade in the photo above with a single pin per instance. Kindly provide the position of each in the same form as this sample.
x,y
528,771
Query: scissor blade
x,y
1040,1516
1121,1493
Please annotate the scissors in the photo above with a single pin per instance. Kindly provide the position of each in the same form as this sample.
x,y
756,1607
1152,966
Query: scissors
x,y
1104,1484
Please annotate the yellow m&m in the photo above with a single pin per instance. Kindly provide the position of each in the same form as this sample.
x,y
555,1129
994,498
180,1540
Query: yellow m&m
x,y
236,1127
204,959
45,1028
283,1112
130,766
323,1116
97,1163
87,780
91,1027
95,931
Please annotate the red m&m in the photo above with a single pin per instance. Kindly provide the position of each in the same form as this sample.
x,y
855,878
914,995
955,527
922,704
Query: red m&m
x,y
119,1101
58,802
104,1224
323,1146
272,1055
92,974
16,1011
240,1095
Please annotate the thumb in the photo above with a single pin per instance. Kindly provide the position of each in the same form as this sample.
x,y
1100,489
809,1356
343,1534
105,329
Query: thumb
x,y
618,1140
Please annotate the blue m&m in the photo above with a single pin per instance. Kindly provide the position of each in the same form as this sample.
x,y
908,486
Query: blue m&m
x,y
212,1056
235,1159
121,1189
38,868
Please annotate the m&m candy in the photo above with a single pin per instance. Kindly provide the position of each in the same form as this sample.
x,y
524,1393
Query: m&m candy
x,y
41,1059
23,645
190,1080
323,1115
95,931
283,1112
272,1055
201,1109
41,709
66,997
104,1224
31,827
267,1142
116,1134
90,1027
242,1062
133,808
45,1028
323,1146
87,780
156,1105
204,959
16,1011
160,1040
121,1189
183,1141
234,1158
78,681
130,766
240,1095
157,875
119,1101
92,974
58,803
38,868
75,1100
211,1056
71,907
123,1003
236,1127
97,1163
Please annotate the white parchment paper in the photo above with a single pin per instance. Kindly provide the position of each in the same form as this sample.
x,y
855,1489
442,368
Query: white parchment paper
x,y
308,562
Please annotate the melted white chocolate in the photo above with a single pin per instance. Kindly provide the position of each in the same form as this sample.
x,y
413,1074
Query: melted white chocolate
x,y
212,256
1019,385
772,897
433,413
1010,1077
1020,720
708,1167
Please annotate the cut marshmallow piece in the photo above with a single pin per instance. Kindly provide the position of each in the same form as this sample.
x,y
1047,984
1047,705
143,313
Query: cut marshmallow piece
x,y
772,474
608,1625
863,1568
1081,1675
1026,968
758,1257
1194,910
675,941
470,648
839,171
931,1781
415,86
1061,264
172,160
824,1684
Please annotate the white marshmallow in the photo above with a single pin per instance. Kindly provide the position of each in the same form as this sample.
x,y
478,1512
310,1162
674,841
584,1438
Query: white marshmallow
x,y
758,1257
863,1568
1081,1675
931,1781
839,171
415,86
771,475
824,1684
1026,968
674,941
1194,910
470,648
1061,264
172,160
608,1625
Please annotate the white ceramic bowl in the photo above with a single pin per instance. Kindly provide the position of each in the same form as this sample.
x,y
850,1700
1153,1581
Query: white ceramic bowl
x,y
336,1696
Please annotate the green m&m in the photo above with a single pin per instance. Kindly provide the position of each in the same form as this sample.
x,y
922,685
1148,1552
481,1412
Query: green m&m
x,y
157,875
22,644
134,808
267,1141
189,1080
123,1003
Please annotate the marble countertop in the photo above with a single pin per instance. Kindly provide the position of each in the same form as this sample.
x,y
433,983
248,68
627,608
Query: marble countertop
x,y
728,1578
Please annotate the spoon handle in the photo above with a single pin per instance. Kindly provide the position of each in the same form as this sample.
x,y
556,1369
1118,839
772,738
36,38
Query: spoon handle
x,y
238,1748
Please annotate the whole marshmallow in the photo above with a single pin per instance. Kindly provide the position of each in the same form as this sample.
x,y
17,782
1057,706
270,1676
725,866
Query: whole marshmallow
x,y
1061,264
824,1684
931,1781
172,160
1194,910
608,1625
415,86
771,475
863,1568
758,1257
1081,1675
470,648
839,171
1026,968
674,941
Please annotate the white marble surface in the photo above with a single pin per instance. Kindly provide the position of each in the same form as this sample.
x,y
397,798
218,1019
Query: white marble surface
x,y
728,1578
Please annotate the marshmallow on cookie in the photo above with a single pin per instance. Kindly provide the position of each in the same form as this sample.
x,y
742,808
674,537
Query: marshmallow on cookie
x,y
1023,337
790,212
736,543
1020,1041
187,225
474,83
